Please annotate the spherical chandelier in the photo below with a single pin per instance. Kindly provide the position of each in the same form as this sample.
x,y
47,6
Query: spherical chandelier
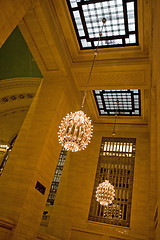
x,y
75,130
105,193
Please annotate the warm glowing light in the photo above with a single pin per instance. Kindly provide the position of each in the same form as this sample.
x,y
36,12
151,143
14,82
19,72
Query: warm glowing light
x,y
75,131
3,148
105,193
113,211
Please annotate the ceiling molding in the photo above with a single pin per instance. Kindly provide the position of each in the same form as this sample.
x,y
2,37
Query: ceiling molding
x,y
133,120
28,82
49,24
122,54
17,94
14,110
111,77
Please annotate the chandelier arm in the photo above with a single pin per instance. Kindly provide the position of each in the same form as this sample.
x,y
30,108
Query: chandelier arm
x,y
94,58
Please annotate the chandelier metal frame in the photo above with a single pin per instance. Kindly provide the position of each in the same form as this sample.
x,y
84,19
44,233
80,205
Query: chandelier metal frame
x,y
75,131
105,193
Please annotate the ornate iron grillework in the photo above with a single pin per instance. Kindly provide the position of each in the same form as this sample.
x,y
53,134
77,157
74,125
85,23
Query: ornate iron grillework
x,y
57,177
116,164
121,28
129,102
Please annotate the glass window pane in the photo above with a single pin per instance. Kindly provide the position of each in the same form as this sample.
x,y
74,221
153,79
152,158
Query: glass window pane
x,y
129,102
88,15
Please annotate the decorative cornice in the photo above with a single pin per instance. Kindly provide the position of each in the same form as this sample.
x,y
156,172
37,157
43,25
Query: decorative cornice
x,y
17,94
45,237
19,83
14,97
14,110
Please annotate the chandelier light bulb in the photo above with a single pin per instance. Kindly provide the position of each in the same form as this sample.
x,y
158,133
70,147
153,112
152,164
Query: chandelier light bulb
x,y
105,193
113,212
75,131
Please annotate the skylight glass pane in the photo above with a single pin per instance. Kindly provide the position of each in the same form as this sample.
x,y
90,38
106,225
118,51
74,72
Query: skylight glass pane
x,y
73,3
79,23
128,102
131,17
131,39
87,19
85,43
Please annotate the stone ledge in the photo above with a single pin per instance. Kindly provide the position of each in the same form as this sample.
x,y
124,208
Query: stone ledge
x,y
7,223
41,236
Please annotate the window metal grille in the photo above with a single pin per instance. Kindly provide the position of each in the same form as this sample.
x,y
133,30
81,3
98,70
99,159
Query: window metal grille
x,y
156,218
6,150
57,177
121,28
129,102
116,164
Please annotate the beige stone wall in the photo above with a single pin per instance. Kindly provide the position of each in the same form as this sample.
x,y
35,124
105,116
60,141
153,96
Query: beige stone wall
x,y
155,114
2,155
6,228
36,151
34,158
11,13
45,237
71,209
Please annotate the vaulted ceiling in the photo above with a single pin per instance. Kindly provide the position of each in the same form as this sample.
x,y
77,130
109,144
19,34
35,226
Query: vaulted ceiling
x,y
19,81
50,35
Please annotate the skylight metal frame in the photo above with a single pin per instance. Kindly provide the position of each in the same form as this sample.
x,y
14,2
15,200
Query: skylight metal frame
x,y
78,7
129,102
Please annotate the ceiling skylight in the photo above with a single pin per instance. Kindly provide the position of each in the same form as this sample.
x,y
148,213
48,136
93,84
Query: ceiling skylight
x,y
129,102
120,28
